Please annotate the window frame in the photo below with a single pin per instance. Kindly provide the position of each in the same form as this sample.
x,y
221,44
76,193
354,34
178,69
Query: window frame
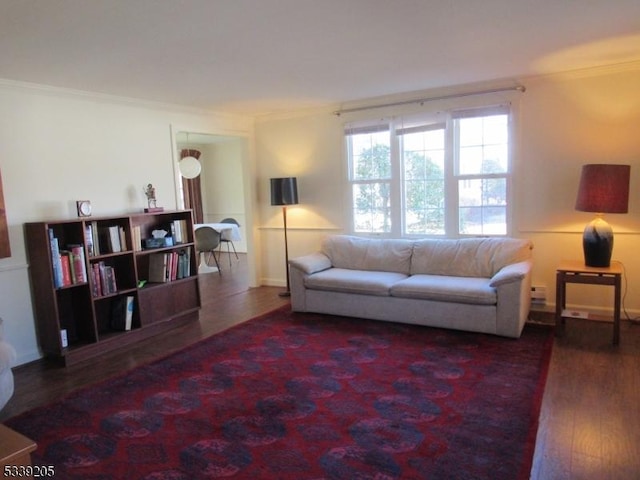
x,y
452,173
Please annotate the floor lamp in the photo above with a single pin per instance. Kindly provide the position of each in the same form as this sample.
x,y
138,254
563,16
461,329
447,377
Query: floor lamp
x,y
284,191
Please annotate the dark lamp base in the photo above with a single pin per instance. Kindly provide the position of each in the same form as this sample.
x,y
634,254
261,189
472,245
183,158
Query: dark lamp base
x,y
597,243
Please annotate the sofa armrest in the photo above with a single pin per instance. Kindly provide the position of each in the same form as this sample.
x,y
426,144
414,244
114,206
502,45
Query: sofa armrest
x,y
312,263
513,288
300,268
511,273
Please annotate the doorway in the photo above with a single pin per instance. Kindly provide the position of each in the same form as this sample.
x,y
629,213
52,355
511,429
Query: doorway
x,y
222,187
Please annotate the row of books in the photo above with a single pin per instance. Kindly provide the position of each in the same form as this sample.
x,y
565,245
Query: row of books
x,y
104,279
179,231
136,238
169,266
69,266
101,240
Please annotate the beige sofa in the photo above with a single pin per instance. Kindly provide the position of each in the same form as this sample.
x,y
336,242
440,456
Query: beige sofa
x,y
477,284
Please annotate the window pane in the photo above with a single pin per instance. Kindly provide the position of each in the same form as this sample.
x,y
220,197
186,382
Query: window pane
x,y
370,156
470,131
483,221
371,208
482,206
483,145
423,193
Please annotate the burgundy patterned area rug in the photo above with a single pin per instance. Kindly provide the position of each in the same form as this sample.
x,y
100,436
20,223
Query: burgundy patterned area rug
x,y
303,396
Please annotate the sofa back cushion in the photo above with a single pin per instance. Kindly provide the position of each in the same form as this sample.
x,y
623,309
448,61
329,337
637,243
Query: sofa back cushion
x,y
372,254
467,257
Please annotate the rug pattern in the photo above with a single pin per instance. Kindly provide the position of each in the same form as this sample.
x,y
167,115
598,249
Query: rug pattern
x,y
305,396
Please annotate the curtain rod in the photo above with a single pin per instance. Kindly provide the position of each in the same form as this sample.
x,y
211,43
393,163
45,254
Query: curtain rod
x,y
519,88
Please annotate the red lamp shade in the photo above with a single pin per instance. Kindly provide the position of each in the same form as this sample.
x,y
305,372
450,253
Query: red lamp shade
x,y
604,189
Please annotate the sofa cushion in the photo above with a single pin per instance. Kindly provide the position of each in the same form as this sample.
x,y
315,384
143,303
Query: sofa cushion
x,y
372,254
353,281
444,288
467,257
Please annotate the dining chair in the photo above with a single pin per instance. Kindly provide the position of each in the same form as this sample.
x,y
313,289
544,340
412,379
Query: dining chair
x,y
225,237
207,241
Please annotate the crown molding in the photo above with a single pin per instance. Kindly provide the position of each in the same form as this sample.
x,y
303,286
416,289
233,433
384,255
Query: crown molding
x,y
42,89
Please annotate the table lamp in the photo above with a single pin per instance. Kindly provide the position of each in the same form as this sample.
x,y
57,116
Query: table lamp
x,y
284,191
603,189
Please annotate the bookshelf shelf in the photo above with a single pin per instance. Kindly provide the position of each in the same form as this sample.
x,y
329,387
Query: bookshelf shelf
x,y
91,302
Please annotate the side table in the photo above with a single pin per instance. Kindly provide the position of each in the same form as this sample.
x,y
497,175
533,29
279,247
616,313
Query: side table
x,y
15,450
574,271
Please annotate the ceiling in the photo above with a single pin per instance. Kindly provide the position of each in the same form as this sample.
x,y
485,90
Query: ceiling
x,y
263,56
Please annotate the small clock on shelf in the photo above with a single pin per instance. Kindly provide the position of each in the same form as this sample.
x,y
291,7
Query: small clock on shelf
x,y
84,208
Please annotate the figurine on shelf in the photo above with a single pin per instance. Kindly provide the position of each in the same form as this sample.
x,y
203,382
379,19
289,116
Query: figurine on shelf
x,y
150,192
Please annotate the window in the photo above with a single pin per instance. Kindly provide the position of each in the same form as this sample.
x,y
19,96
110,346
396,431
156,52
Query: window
x,y
370,174
448,175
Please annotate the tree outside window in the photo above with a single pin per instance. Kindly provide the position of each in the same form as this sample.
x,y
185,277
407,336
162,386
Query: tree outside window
x,y
442,179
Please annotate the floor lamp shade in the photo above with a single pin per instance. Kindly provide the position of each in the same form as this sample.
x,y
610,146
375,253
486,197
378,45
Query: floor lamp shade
x,y
603,189
284,191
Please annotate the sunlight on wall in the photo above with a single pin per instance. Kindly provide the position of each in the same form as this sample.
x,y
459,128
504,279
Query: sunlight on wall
x,y
617,103
298,216
570,120
610,51
291,154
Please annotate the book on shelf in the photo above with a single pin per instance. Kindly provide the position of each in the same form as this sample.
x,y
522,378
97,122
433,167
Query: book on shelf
x,y
95,237
136,235
114,239
169,266
88,239
129,317
184,263
96,284
122,312
104,279
78,265
65,261
111,239
179,231
123,239
158,268
110,279
56,263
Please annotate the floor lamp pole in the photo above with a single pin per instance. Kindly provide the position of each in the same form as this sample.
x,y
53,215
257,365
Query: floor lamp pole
x,y
286,293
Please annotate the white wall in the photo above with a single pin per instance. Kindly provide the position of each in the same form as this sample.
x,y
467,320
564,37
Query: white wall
x,y
57,147
590,116
565,121
308,147
225,190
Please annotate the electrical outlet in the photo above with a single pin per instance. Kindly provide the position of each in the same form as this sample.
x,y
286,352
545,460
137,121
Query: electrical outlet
x,y
539,294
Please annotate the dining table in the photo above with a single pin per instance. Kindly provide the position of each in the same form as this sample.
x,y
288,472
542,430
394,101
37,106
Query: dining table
x,y
228,231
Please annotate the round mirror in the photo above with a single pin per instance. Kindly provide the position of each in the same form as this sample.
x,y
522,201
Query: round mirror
x,y
189,167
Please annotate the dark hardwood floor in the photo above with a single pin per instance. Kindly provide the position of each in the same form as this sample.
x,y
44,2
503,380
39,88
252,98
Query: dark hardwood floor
x,y
226,300
590,418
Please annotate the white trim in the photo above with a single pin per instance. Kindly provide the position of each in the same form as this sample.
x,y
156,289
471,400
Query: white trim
x,y
12,268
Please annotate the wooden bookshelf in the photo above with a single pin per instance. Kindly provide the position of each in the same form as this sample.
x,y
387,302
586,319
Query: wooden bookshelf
x,y
75,312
